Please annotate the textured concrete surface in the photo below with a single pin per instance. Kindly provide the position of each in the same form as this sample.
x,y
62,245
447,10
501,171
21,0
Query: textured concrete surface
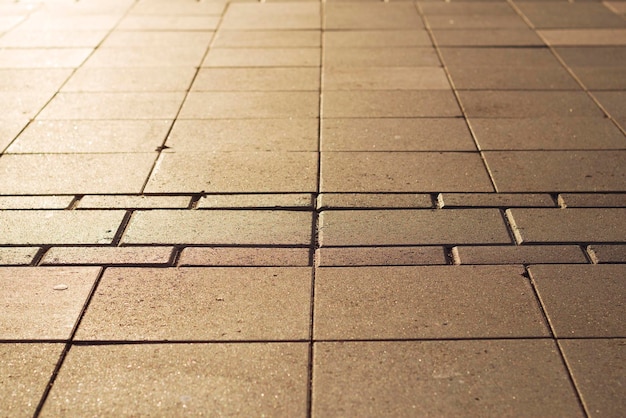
x,y
306,208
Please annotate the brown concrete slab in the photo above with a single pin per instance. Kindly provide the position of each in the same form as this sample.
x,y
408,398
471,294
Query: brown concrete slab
x,y
257,79
487,37
380,256
262,57
376,38
535,254
371,16
381,57
578,37
582,300
463,58
412,227
437,378
34,310
495,200
391,78
593,56
609,253
220,227
266,38
590,200
88,79
281,15
613,102
570,15
255,200
478,8
601,78
107,255
511,78
242,257
403,172
425,302
459,21
192,304
26,371
374,200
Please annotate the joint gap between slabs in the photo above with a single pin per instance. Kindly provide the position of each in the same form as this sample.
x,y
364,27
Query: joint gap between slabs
x,y
117,239
75,201
175,256
512,228
41,253
590,254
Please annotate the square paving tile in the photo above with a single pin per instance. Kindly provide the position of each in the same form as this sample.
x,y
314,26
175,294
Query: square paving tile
x,y
598,371
26,370
180,379
412,227
257,79
403,172
147,56
34,310
381,57
130,79
74,173
262,57
550,171
442,378
425,302
266,38
260,303
376,38
234,172
280,15
389,78
371,16
582,300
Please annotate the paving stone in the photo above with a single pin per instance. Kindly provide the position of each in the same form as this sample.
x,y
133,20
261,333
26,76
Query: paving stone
x,y
107,255
613,102
537,254
597,369
35,202
524,104
380,256
300,200
130,79
260,303
16,105
17,256
91,136
145,56
179,8
250,105
371,16
52,39
244,135
460,21
590,200
90,106
283,15
396,134
30,227
262,57
51,21
161,23
582,300
133,202
593,56
546,133
570,15
374,104
43,57
425,302
463,58
561,37
498,200
511,78
74,173
373,200
266,38
487,37
234,172
26,371
174,379
376,38
567,171
34,310
226,256
480,8
412,227
381,57
9,129
257,79
602,78
441,378
163,39
403,172
610,253
219,227
570,225
392,78
618,7
33,79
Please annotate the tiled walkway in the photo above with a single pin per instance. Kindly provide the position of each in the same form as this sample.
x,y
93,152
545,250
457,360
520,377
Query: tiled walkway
x,y
297,208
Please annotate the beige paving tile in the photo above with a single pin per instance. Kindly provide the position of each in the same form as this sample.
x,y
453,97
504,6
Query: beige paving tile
x,y
130,79
511,78
234,172
479,8
163,39
561,37
266,38
43,57
260,303
570,225
381,57
610,253
537,254
371,16
389,78
425,302
374,104
133,202
257,79
34,310
590,200
91,136
161,23
283,15
107,255
412,227
212,201
291,134
250,105
35,202
570,15
486,37
262,57
437,378
597,368
49,20
220,227
525,104
373,200
26,370
74,173
396,134
380,256
403,172
573,171
16,105
245,257
175,379
52,39
17,256
376,38
462,21
582,300
25,80
498,200
9,22
9,129
178,8
147,56
546,133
